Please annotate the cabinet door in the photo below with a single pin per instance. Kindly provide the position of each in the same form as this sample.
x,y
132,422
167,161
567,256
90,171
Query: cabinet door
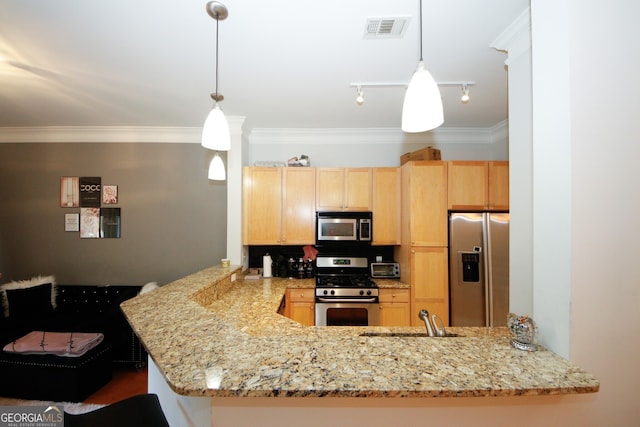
x,y
301,305
386,206
262,196
329,189
499,185
357,190
425,203
298,205
394,307
468,185
429,283
341,189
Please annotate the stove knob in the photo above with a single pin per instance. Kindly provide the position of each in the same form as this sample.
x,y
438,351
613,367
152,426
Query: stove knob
x,y
325,292
361,292
368,292
333,292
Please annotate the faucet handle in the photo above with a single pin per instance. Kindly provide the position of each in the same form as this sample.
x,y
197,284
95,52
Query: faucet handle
x,y
424,315
438,325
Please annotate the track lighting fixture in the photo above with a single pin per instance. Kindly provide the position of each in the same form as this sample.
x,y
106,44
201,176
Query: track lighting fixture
x,y
464,84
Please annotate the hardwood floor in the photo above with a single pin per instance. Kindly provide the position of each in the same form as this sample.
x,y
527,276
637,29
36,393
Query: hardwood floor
x,y
126,382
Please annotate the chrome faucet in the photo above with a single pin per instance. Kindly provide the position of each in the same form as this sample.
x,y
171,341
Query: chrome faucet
x,y
435,326
424,315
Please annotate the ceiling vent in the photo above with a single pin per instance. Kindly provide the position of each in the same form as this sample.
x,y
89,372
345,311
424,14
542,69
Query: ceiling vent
x,y
385,28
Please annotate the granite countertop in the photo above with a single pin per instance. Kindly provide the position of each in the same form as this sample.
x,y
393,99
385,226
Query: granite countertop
x,y
210,336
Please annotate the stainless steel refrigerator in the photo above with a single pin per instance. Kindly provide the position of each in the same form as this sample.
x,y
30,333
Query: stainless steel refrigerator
x,y
479,268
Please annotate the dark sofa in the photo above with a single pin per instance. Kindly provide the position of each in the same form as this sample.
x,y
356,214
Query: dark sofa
x,y
71,308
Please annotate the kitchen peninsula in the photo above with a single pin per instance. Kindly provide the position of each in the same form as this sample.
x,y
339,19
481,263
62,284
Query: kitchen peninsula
x,y
211,336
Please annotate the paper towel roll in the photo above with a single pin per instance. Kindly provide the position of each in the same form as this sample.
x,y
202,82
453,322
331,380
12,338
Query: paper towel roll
x,y
266,266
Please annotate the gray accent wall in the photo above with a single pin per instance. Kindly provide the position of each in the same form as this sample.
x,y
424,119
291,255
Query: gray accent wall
x,y
173,218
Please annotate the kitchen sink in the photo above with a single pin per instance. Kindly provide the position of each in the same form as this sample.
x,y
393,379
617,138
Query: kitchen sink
x,y
405,335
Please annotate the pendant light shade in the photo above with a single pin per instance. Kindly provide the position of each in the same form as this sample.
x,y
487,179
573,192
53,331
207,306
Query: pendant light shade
x,y
422,108
215,133
216,169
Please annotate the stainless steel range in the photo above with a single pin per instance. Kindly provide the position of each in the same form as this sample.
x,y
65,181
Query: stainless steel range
x,y
345,293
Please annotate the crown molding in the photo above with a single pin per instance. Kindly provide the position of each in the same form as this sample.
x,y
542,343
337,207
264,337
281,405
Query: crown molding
x,y
111,134
278,136
516,38
319,136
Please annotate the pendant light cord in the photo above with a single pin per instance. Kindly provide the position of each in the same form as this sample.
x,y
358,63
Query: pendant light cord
x,y
217,50
420,30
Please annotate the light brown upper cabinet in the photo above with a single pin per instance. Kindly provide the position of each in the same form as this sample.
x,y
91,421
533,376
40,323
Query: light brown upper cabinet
x,y
343,189
499,185
424,203
478,185
279,206
386,200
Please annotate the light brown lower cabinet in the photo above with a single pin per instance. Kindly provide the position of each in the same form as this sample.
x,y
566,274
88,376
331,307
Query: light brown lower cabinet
x,y
300,306
429,282
394,307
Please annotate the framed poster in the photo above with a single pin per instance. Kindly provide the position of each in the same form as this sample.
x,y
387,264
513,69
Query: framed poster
x,y
71,222
110,223
89,223
69,192
90,191
109,194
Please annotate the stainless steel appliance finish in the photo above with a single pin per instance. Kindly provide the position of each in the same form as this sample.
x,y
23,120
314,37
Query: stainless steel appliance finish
x,y
479,268
348,227
385,270
345,293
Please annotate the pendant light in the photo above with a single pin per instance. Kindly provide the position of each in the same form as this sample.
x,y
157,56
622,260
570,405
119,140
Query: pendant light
x,y
422,108
215,133
216,169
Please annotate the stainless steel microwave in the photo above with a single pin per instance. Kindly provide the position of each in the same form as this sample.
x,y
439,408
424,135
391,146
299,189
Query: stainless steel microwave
x,y
343,227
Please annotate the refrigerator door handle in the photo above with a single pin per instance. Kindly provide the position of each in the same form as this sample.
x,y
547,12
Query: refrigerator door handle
x,y
488,273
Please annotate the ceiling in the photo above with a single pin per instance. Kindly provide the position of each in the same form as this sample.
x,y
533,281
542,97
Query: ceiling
x,y
283,64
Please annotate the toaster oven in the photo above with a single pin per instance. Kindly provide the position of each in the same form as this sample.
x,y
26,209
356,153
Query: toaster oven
x,y
385,270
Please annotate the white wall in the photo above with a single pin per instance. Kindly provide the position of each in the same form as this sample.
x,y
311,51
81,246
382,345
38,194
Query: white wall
x,y
552,141
180,411
234,192
605,149
516,40
375,147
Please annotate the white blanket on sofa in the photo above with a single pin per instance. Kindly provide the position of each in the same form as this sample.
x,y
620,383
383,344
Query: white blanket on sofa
x,y
68,344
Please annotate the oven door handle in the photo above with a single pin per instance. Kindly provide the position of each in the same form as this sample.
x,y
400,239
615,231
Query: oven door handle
x,y
320,299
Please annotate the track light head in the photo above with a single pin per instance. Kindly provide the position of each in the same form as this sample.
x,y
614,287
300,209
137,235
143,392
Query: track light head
x,y
465,94
360,96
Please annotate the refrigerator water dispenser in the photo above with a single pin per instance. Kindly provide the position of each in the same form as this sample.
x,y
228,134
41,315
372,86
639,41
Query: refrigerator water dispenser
x,y
470,266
